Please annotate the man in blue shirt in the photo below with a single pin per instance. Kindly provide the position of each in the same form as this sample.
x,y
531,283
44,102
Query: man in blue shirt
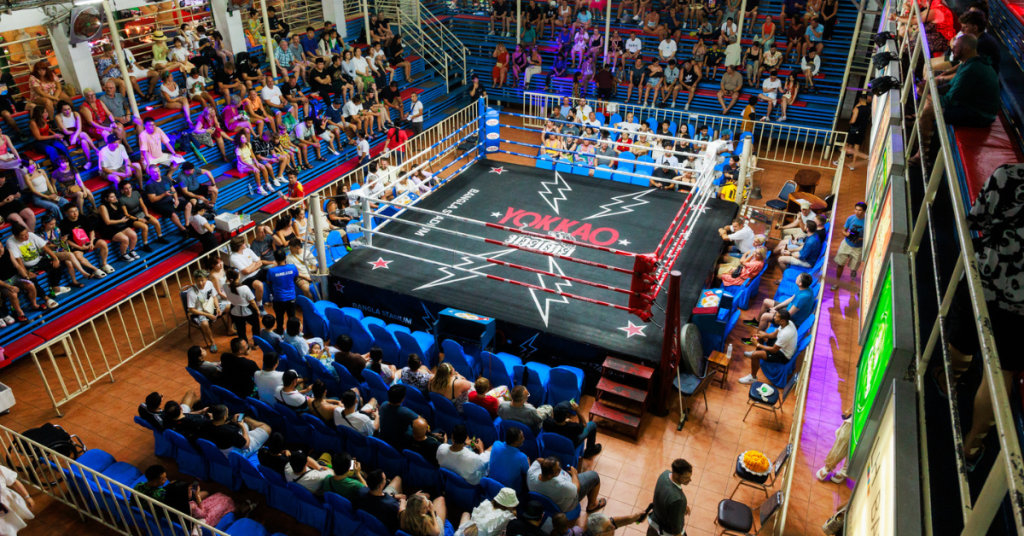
x,y
808,254
850,247
800,306
281,279
508,465
309,44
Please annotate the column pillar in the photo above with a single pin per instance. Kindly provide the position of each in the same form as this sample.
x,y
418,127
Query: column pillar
x,y
230,26
75,61
334,11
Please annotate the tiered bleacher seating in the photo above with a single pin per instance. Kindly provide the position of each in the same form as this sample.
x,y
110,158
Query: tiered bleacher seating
x,y
812,110
234,197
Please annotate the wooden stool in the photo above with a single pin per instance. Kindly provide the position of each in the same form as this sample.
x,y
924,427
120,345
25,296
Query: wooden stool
x,y
807,180
719,362
817,204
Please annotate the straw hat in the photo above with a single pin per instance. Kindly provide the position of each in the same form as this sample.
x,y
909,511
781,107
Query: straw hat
x,y
507,498
159,36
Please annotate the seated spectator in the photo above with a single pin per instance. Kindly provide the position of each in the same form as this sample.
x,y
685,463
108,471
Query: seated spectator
x,y
203,305
41,191
385,371
416,374
365,420
451,385
156,485
423,517
195,85
800,306
269,380
747,269
770,93
116,226
347,479
162,198
152,142
424,442
508,464
731,87
290,395
577,431
806,255
248,163
741,236
815,29
603,525
307,472
192,190
70,125
226,80
269,334
810,64
186,423
152,412
798,227
241,434
355,363
31,256
529,522
728,263
778,347
479,396
273,454
46,140
381,499
65,177
492,515
565,488
468,461
237,370
211,370
520,410
172,97
395,419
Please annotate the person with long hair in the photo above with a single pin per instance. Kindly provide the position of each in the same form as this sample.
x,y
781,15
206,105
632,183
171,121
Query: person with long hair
x,y
70,124
423,517
12,208
244,309
172,96
44,194
47,141
451,385
416,374
387,372
116,227
790,91
258,114
501,63
207,132
247,163
58,244
45,87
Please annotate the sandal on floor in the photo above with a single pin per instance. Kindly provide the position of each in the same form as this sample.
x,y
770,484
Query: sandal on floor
x,y
78,285
601,503
22,319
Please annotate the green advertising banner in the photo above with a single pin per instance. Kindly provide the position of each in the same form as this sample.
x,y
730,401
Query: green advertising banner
x,y
874,360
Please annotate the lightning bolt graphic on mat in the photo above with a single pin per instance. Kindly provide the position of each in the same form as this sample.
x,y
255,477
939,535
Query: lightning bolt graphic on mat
x,y
454,276
627,202
545,310
560,188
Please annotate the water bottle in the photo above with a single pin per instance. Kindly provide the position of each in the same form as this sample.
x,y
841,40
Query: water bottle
x,y
728,352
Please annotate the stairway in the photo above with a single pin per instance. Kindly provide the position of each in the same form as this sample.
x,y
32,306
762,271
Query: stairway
x,y
622,394
429,36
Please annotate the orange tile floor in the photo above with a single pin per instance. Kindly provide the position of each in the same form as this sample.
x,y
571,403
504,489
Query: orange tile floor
x,y
712,438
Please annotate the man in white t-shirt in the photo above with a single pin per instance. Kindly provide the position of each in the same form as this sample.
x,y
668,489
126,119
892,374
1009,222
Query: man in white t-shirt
x,y
268,381
727,32
584,111
115,164
249,266
364,420
416,114
633,47
667,49
289,393
740,234
32,256
203,305
353,113
770,93
468,461
274,99
629,124
781,351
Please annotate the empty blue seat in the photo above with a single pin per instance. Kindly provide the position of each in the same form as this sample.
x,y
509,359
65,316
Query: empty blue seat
x,y
235,405
325,438
362,339
221,470
264,346
489,488
561,447
387,342
245,527
190,461
279,496
296,361
296,429
345,378
337,325
544,161
418,342
459,492
356,445
314,322
372,525
378,389
445,414
416,401
462,362
499,368
550,508
161,446
205,393
419,473
250,473
537,377
344,520
565,383
386,458
265,414
480,423
603,172
308,509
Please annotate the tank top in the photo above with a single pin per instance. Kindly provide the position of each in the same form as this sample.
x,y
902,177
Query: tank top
x,y
69,122
44,130
689,76
99,113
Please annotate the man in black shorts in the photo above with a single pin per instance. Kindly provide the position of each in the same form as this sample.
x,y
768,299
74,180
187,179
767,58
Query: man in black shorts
x,y
391,98
191,187
783,346
635,75
501,14
162,199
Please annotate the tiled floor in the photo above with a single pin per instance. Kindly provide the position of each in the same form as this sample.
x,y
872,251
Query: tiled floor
x,y
711,439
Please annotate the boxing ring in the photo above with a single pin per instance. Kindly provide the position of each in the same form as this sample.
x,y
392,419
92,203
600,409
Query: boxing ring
x,y
573,267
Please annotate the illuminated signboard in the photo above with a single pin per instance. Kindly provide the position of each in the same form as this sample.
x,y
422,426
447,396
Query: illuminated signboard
x,y
887,350
886,161
886,500
891,233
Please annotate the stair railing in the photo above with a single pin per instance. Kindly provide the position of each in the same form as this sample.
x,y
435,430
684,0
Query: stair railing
x,y
438,46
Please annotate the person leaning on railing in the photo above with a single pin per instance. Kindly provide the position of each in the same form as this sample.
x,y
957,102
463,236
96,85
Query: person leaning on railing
x,y
970,99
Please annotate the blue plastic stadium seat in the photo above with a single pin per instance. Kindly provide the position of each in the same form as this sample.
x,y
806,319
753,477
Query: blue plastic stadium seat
x,y
462,362
480,423
565,383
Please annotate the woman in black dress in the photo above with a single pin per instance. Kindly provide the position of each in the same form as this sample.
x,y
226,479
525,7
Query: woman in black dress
x,y
860,124
115,226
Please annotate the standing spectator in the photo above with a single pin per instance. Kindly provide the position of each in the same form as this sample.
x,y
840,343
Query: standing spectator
x,y
829,12
853,241
750,114
670,507
860,122
838,452
470,461
781,350
508,464
565,488
281,279
416,115
731,87
152,142
244,309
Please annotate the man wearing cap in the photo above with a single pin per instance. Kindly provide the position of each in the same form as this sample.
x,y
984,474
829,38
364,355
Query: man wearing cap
x,y
577,431
115,164
798,227
668,515
528,523
191,188
565,488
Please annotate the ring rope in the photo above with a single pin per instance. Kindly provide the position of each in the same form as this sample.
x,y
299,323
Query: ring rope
x,y
499,243
603,127
628,143
507,264
506,280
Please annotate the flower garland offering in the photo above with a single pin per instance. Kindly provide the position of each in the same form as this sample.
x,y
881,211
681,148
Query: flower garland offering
x,y
755,462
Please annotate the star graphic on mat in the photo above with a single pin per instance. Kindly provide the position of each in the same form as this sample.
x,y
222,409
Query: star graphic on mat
x,y
495,214
633,329
498,170
624,242
380,263
339,287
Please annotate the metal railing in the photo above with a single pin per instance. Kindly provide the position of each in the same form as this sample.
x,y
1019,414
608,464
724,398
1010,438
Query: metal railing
x,y
299,14
774,142
867,13
92,350
1007,473
434,42
136,28
94,496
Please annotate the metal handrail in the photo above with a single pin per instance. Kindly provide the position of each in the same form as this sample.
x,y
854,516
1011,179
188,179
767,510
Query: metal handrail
x,y
1007,474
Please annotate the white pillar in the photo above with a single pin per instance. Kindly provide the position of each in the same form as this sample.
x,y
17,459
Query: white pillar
x,y
75,61
230,26
334,11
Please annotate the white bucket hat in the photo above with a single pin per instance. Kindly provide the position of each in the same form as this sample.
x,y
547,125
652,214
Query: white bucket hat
x,y
507,498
